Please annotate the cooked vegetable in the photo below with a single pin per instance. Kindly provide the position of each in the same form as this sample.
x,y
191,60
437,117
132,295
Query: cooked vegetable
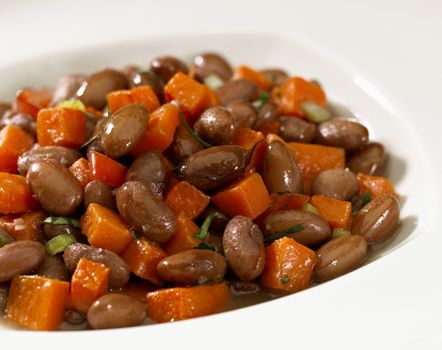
x,y
247,73
15,197
184,237
314,112
106,169
377,186
187,200
80,169
59,243
23,226
141,94
13,143
336,212
31,101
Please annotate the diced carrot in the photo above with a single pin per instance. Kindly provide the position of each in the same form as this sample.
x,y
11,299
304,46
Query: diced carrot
x,y
286,201
13,142
186,199
160,130
105,228
143,256
137,289
247,138
247,196
191,96
288,267
293,92
336,212
213,97
23,226
118,99
269,128
15,196
257,157
245,72
80,169
173,304
31,101
96,112
106,169
89,282
184,238
377,186
36,302
146,96
61,127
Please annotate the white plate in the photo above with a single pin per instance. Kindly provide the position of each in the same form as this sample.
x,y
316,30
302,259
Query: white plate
x,y
393,302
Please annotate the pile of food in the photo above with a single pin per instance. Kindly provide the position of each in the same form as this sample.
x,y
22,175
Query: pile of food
x,y
160,194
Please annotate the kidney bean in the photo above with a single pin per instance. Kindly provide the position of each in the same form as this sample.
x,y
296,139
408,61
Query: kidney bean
x,y
150,168
4,292
63,155
377,220
342,133
92,92
58,191
315,229
66,88
193,266
267,113
238,89
183,145
51,231
95,145
100,192
277,76
280,172
20,257
124,129
213,167
336,183
244,114
370,160
211,63
119,271
339,256
244,287
91,122
150,79
116,310
296,130
243,244
74,317
53,267
147,213
216,125
167,66
21,121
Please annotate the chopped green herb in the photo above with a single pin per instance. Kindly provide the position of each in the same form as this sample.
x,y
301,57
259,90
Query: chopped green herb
x,y
280,234
285,279
339,232
250,155
213,81
59,243
61,220
204,230
261,101
360,202
73,104
193,133
92,139
4,239
283,193
314,112
309,208
203,245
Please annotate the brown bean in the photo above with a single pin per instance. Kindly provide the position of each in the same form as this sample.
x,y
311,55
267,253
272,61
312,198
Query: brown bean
x,y
280,171
243,287
115,310
213,167
219,221
296,130
74,317
193,266
91,123
208,64
21,121
336,183
58,191
268,113
124,129
63,155
370,160
243,244
148,214
378,220
315,229
50,231
339,256
95,145
342,133
244,114
66,88
119,271
150,79
151,169
53,266
277,76
20,257
167,66
100,192
4,292
216,126
183,145
239,89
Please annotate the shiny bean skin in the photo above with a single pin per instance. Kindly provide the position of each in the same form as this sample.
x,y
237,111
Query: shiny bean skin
x,y
193,266
63,155
119,271
339,256
342,133
100,192
124,129
166,67
268,113
51,231
151,169
213,167
280,171
369,161
20,257
378,220
66,88
216,126
244,114
183,145
150,79
277,76
92,92
336,183
53,266
116,310
239,89
211,63
243,244
315,229
148,214
4,291
296,130
58,191
243,287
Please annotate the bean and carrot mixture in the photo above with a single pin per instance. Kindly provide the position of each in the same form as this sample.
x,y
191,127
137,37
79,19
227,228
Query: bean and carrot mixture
x,y
137,195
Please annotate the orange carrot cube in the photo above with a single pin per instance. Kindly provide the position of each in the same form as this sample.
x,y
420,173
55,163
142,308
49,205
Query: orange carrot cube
x,y
186,199
13,142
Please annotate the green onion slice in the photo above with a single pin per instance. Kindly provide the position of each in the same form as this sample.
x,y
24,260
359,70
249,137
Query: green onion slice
x,y
203,245
4,239
73,104
92,139
314,112
213,81
204,230
280,234
261,101
62,220
59,243
339,232
360,202
309,208
193,133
